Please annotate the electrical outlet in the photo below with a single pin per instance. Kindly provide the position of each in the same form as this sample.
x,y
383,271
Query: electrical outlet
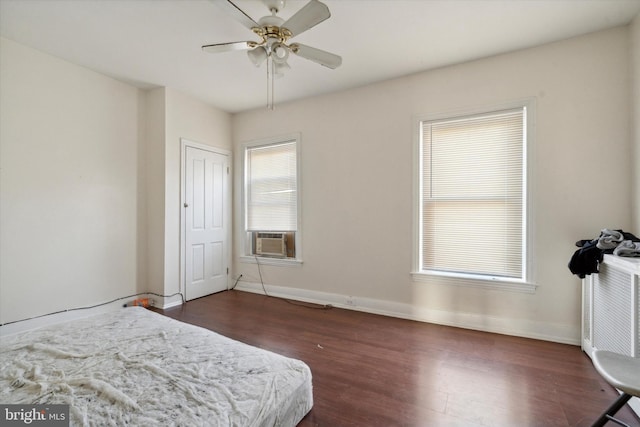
x,y
351,301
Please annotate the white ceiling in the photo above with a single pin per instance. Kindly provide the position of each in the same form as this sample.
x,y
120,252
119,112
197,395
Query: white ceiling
x,y
153,43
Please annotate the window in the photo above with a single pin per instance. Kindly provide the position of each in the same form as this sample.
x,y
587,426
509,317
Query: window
x,y
271,208
472,208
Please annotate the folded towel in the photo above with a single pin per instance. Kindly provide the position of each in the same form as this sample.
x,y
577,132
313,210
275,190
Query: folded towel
x,y
609,239
627,249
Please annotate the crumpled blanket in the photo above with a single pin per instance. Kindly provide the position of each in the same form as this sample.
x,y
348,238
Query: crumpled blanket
x,y
627,248
609,239
139,368
587,259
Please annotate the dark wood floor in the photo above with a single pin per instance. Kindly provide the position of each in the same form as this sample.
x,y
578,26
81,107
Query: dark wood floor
x,y
371,370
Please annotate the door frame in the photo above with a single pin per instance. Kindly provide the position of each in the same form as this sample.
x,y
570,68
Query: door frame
x,y
184,144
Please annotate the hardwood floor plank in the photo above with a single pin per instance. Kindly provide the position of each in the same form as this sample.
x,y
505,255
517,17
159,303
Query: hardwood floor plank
x,y
371,370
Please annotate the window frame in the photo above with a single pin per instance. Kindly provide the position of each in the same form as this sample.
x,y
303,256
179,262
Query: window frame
x,y
246,241
527,283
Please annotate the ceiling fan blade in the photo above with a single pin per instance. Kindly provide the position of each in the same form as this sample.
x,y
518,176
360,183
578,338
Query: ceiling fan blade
x,y
309,16
316,55
236,13
227,47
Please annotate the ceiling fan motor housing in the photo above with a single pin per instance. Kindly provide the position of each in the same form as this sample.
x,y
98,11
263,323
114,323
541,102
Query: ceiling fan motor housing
x,y
274,36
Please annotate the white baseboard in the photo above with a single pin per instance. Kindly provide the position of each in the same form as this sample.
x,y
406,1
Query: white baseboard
x,y
167,302
546,331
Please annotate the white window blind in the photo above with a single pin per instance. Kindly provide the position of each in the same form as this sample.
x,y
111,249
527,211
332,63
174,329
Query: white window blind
x,y
473,194
271,187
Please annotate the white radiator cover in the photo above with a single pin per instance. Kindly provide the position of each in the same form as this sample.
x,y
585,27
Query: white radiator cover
x,y
611,310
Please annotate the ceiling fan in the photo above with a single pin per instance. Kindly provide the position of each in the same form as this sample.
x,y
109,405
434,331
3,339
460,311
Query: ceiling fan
x,y
274,33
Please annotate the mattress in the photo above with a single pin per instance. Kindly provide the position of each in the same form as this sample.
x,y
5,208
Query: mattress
x,y
136,367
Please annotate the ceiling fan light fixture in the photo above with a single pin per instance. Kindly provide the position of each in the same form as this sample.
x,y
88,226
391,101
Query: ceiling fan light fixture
x,y
279,68
279,53
257,56
274,33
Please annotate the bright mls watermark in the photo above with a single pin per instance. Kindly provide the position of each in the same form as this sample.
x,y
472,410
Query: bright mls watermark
x,y
34,415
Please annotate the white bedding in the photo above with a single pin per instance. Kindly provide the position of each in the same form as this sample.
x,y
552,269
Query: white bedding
x,y
136,367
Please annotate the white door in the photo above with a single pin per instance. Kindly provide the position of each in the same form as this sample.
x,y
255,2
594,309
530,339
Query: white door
x,y
206,222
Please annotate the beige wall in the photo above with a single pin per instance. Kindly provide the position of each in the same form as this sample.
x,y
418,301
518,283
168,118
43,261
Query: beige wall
x,y
72,212
198,122
90,169
635,119
90,179
155,187
357,157
172,115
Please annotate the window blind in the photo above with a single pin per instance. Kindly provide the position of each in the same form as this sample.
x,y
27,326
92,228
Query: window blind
x,y
271,187
473,194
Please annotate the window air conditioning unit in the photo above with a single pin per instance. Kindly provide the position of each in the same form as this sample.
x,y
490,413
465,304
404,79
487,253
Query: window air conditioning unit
x,y
271,244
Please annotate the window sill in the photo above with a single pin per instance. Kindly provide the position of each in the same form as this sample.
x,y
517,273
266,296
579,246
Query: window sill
x,y
475,281
286,262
